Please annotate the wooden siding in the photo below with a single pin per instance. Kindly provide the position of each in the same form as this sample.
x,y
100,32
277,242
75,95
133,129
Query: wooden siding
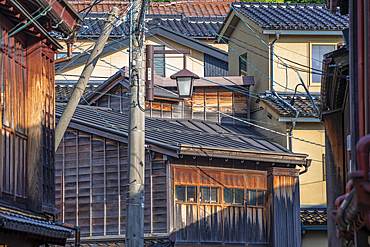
x,y
220,223
214,98
284,206
214,66
91,180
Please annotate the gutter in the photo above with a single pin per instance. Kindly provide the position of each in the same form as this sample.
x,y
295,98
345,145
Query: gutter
x,y
72,227
299,32
286,158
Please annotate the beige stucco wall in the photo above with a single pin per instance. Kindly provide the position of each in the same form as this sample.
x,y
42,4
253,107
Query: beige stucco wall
x,y
298,49
312,183
195,60
315,239
293,47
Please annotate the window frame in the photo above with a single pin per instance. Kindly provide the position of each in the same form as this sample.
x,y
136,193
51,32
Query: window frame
x,y
311,83
245,56
160,56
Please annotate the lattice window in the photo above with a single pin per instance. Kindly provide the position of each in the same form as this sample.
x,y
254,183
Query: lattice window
x,y
14,132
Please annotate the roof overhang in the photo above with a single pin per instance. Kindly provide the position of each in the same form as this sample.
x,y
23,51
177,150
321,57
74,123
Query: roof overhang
x,y
303,32
286,158
209,81
300,119
122,43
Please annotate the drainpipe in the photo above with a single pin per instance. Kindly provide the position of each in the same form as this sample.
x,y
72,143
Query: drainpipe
x,y
294,120
69,55
72,227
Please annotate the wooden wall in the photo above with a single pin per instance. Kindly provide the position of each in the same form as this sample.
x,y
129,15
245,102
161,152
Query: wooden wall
x,y
284,207
91,180
241,223
216,98
27,128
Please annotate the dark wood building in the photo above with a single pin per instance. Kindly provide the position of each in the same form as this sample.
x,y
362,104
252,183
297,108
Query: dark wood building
x,y
112,93
346,114
27,209
206,183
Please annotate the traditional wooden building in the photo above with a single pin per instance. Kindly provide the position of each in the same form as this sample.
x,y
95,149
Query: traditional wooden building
x,y
216,96
27,209
207,183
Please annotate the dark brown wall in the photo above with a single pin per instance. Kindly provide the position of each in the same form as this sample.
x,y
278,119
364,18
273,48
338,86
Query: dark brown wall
x,y
91,180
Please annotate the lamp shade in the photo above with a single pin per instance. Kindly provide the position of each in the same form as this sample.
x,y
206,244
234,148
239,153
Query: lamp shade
x,y
184,79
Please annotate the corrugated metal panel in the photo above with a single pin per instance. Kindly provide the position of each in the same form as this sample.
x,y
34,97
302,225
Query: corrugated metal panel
x,y
215,67
171,133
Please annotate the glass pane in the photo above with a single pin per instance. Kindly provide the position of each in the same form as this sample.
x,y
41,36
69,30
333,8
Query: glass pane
x,y
239,195
192,193
214,194
243,65
204,194
180,193
159,61
251,197
261,197
318,52
228,195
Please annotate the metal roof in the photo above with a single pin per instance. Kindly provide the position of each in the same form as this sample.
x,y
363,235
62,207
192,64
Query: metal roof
x,y
295,16
172,133
301,103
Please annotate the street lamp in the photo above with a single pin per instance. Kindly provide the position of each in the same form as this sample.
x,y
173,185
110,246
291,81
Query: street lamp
x,y
184,79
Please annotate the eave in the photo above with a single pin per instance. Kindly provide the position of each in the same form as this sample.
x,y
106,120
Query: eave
x,y
286,158
29,29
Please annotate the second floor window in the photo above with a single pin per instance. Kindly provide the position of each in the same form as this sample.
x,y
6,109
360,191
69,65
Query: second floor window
x,y
243,65
159,61
318,52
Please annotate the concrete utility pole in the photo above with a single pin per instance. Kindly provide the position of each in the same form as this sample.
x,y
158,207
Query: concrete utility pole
x,y
136,135
84,78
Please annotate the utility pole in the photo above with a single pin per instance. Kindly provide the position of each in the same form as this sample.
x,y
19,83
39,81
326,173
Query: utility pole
x,y
85,76
136,135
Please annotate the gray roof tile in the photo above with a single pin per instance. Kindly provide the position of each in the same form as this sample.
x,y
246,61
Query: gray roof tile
x,y
292,16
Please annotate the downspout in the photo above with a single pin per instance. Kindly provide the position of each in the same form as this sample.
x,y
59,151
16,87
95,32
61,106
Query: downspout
x,y
72,227
360,63
69,55
294,120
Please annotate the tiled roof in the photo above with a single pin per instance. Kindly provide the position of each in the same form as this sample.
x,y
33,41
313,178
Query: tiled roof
x,y
150,240
189,26
301,103
34,225
172,133
314,216
292,16
63,91
205,8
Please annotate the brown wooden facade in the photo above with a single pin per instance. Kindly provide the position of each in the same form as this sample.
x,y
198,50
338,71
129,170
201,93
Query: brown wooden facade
x,y
197,200
215,98
27,123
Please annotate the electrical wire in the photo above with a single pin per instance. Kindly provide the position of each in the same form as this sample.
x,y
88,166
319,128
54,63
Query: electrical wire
x,y
243,91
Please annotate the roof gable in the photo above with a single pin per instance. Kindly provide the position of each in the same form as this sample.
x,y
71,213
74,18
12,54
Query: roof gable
x,y
293,16
177,37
